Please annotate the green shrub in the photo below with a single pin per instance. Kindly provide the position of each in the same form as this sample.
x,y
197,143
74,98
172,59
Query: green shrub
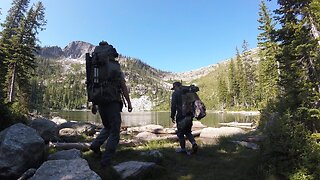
x,y
289,149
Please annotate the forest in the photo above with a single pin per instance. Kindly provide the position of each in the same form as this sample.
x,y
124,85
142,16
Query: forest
x,y
280,78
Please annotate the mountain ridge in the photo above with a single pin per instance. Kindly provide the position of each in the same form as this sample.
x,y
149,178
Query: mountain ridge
x,y
75,52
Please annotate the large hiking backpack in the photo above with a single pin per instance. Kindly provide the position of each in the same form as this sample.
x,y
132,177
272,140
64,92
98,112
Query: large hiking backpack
x,y
191,103
103,74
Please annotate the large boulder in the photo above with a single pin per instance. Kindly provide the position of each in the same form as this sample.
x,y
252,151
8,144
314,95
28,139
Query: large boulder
x,y
47,129
21,148
65,169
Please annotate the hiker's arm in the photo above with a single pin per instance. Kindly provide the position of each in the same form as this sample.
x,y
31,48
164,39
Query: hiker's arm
x,y
126,94
94,109
173,107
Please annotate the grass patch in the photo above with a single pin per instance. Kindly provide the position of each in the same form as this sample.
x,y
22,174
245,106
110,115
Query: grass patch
x,y
224,160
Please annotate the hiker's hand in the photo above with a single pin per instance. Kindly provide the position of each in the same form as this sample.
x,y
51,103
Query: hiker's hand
x,y
94,109
129,107
173,120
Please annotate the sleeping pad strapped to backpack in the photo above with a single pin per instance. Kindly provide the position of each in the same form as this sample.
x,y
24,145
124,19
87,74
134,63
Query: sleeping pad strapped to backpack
x,y
191,103
103,75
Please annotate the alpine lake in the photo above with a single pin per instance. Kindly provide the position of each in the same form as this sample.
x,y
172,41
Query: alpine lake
x,y
161,118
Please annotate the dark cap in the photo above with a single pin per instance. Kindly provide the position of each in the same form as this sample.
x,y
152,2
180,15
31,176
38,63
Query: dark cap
x,y
176,84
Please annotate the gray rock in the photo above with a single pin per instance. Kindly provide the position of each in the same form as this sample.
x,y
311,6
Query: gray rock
x,y
80,127
47,129
69,135
153,153
146,136
21,148
147,128
65,169
133,169
66,155
28,174
58,120
249,145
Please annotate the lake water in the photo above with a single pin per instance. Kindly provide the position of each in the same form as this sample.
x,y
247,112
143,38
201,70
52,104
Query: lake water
x,y
161,118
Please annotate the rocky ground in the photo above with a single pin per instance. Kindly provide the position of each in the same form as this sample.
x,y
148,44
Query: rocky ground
x,y
55,147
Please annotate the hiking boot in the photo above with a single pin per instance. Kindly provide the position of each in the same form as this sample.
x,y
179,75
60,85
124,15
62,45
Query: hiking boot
x,y
180,150
95,149
194,148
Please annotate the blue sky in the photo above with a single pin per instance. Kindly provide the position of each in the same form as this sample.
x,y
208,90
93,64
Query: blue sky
x,y
171,35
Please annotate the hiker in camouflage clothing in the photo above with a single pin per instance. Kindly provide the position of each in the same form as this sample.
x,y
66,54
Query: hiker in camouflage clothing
x,y
184,123
110,113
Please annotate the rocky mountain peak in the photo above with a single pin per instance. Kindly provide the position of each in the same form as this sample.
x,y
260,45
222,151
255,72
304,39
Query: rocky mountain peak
x,y
54,52
77,49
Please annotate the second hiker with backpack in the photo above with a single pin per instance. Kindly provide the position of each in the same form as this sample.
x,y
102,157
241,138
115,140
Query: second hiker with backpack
x,y
185,105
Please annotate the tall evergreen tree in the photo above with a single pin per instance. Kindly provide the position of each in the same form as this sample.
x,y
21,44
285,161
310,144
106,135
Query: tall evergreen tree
x,y
222,91
240,86
249,66
23,43
233,84
297,113
299,56
10,27
268,70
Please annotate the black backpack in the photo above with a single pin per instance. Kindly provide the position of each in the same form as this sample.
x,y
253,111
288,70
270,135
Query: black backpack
x,y
103,74
191,103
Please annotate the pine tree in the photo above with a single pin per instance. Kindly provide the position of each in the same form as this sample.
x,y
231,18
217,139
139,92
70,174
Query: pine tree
x,y
299,55
10,28
297,113
249,66
19,39
233,84
222,91
268,71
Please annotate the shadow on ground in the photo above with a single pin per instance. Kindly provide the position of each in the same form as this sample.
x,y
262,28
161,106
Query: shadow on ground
x,y
221,160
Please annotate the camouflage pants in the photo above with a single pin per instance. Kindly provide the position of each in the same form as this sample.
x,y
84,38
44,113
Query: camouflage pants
x,y
184,126
111,120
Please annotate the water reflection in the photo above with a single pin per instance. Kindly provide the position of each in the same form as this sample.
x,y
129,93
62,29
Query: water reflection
x,y
162,118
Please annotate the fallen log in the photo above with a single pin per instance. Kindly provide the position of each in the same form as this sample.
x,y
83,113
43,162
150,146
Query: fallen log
x,y
66,146
239,125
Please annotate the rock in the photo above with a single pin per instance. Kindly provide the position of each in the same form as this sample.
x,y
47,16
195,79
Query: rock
x,y
80,127
197,125
168,131
46,129
247,144
28,174
65,169
153,153
133,169
68,146
147,128
21,148
146,136
58,120
219,132
66,154
69,135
